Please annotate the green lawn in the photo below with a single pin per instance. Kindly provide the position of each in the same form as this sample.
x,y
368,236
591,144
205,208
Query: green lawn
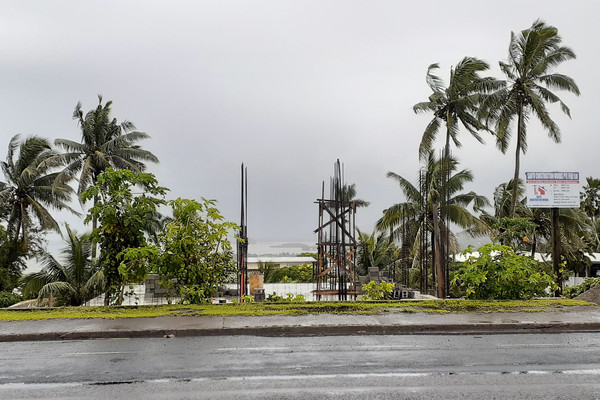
x,y
427,306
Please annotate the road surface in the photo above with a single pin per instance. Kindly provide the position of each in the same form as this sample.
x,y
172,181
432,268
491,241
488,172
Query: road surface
x,y
349,367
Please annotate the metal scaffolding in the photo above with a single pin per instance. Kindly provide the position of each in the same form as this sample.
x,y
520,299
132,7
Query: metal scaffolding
x,y
242,246
337,246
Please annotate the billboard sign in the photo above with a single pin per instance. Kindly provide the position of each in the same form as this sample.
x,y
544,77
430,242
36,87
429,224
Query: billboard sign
x,y
552,189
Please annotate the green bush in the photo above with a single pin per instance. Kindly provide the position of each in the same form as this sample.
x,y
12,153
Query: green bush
x,y
574,291
7,299
289,298
501,274
378,291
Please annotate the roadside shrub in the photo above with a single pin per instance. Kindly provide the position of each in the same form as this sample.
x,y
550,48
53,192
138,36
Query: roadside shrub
x,y
378,291
274,298
574,291
498,273
7,299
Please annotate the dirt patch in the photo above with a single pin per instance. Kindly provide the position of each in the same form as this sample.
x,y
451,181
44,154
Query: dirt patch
x,y
592,295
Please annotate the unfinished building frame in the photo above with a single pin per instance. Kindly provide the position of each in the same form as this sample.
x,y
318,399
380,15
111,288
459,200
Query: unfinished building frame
x,y
337,246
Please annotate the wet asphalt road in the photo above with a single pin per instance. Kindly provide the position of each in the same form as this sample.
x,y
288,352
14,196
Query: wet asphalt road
x,y
349,367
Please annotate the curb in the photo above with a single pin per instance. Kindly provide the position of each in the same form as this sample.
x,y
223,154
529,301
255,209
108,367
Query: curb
x,y
317,330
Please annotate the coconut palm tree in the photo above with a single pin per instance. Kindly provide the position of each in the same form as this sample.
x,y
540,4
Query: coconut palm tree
x,y
71,282
425,204
590,198
376,250
31,189
104,143
349,194
532,55
457,103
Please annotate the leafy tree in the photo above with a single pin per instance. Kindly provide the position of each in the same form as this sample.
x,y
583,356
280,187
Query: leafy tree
x,y
123,219
498,273
30,190
195,254
71,282
7,299
532,55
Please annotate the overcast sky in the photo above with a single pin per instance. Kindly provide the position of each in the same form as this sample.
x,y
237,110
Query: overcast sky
x,y
287,87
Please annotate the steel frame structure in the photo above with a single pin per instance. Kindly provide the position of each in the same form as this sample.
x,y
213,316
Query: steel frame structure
x,y
337,246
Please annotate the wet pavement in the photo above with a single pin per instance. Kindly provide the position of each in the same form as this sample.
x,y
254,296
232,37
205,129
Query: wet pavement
x,y
575,319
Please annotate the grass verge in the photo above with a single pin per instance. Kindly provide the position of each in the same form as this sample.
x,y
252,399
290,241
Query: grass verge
x,y
261,309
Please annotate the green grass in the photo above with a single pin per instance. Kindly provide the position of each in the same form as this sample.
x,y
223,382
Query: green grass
x,y
258,309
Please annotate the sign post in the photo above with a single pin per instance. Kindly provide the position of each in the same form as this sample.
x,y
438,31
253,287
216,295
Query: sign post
x,y
553,190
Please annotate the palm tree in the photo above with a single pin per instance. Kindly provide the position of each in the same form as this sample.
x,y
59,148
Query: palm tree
x,y
104,143
72,282
590,198
31,188
456,103
376,250
349,194
533,54
425,204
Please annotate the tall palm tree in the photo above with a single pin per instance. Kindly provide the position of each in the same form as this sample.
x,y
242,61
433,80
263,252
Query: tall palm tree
x,y
31,189
532,55
71,282
457,103
452,106
104,143
426,203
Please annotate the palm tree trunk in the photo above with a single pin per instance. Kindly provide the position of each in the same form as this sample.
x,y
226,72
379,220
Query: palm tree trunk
x,y
438,256
513,204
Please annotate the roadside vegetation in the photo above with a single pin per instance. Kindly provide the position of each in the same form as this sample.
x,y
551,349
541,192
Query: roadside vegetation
x,y
292,308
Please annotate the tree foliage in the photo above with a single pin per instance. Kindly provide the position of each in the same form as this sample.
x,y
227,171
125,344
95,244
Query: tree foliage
x,y
458,102
123,216
497,272
105,143
196,256
72,281
533,54
30,191
273,273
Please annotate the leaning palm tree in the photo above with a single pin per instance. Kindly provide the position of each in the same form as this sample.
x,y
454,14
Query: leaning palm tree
x,y
72,282
426,204
456,103
532,55
104,143
31,189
